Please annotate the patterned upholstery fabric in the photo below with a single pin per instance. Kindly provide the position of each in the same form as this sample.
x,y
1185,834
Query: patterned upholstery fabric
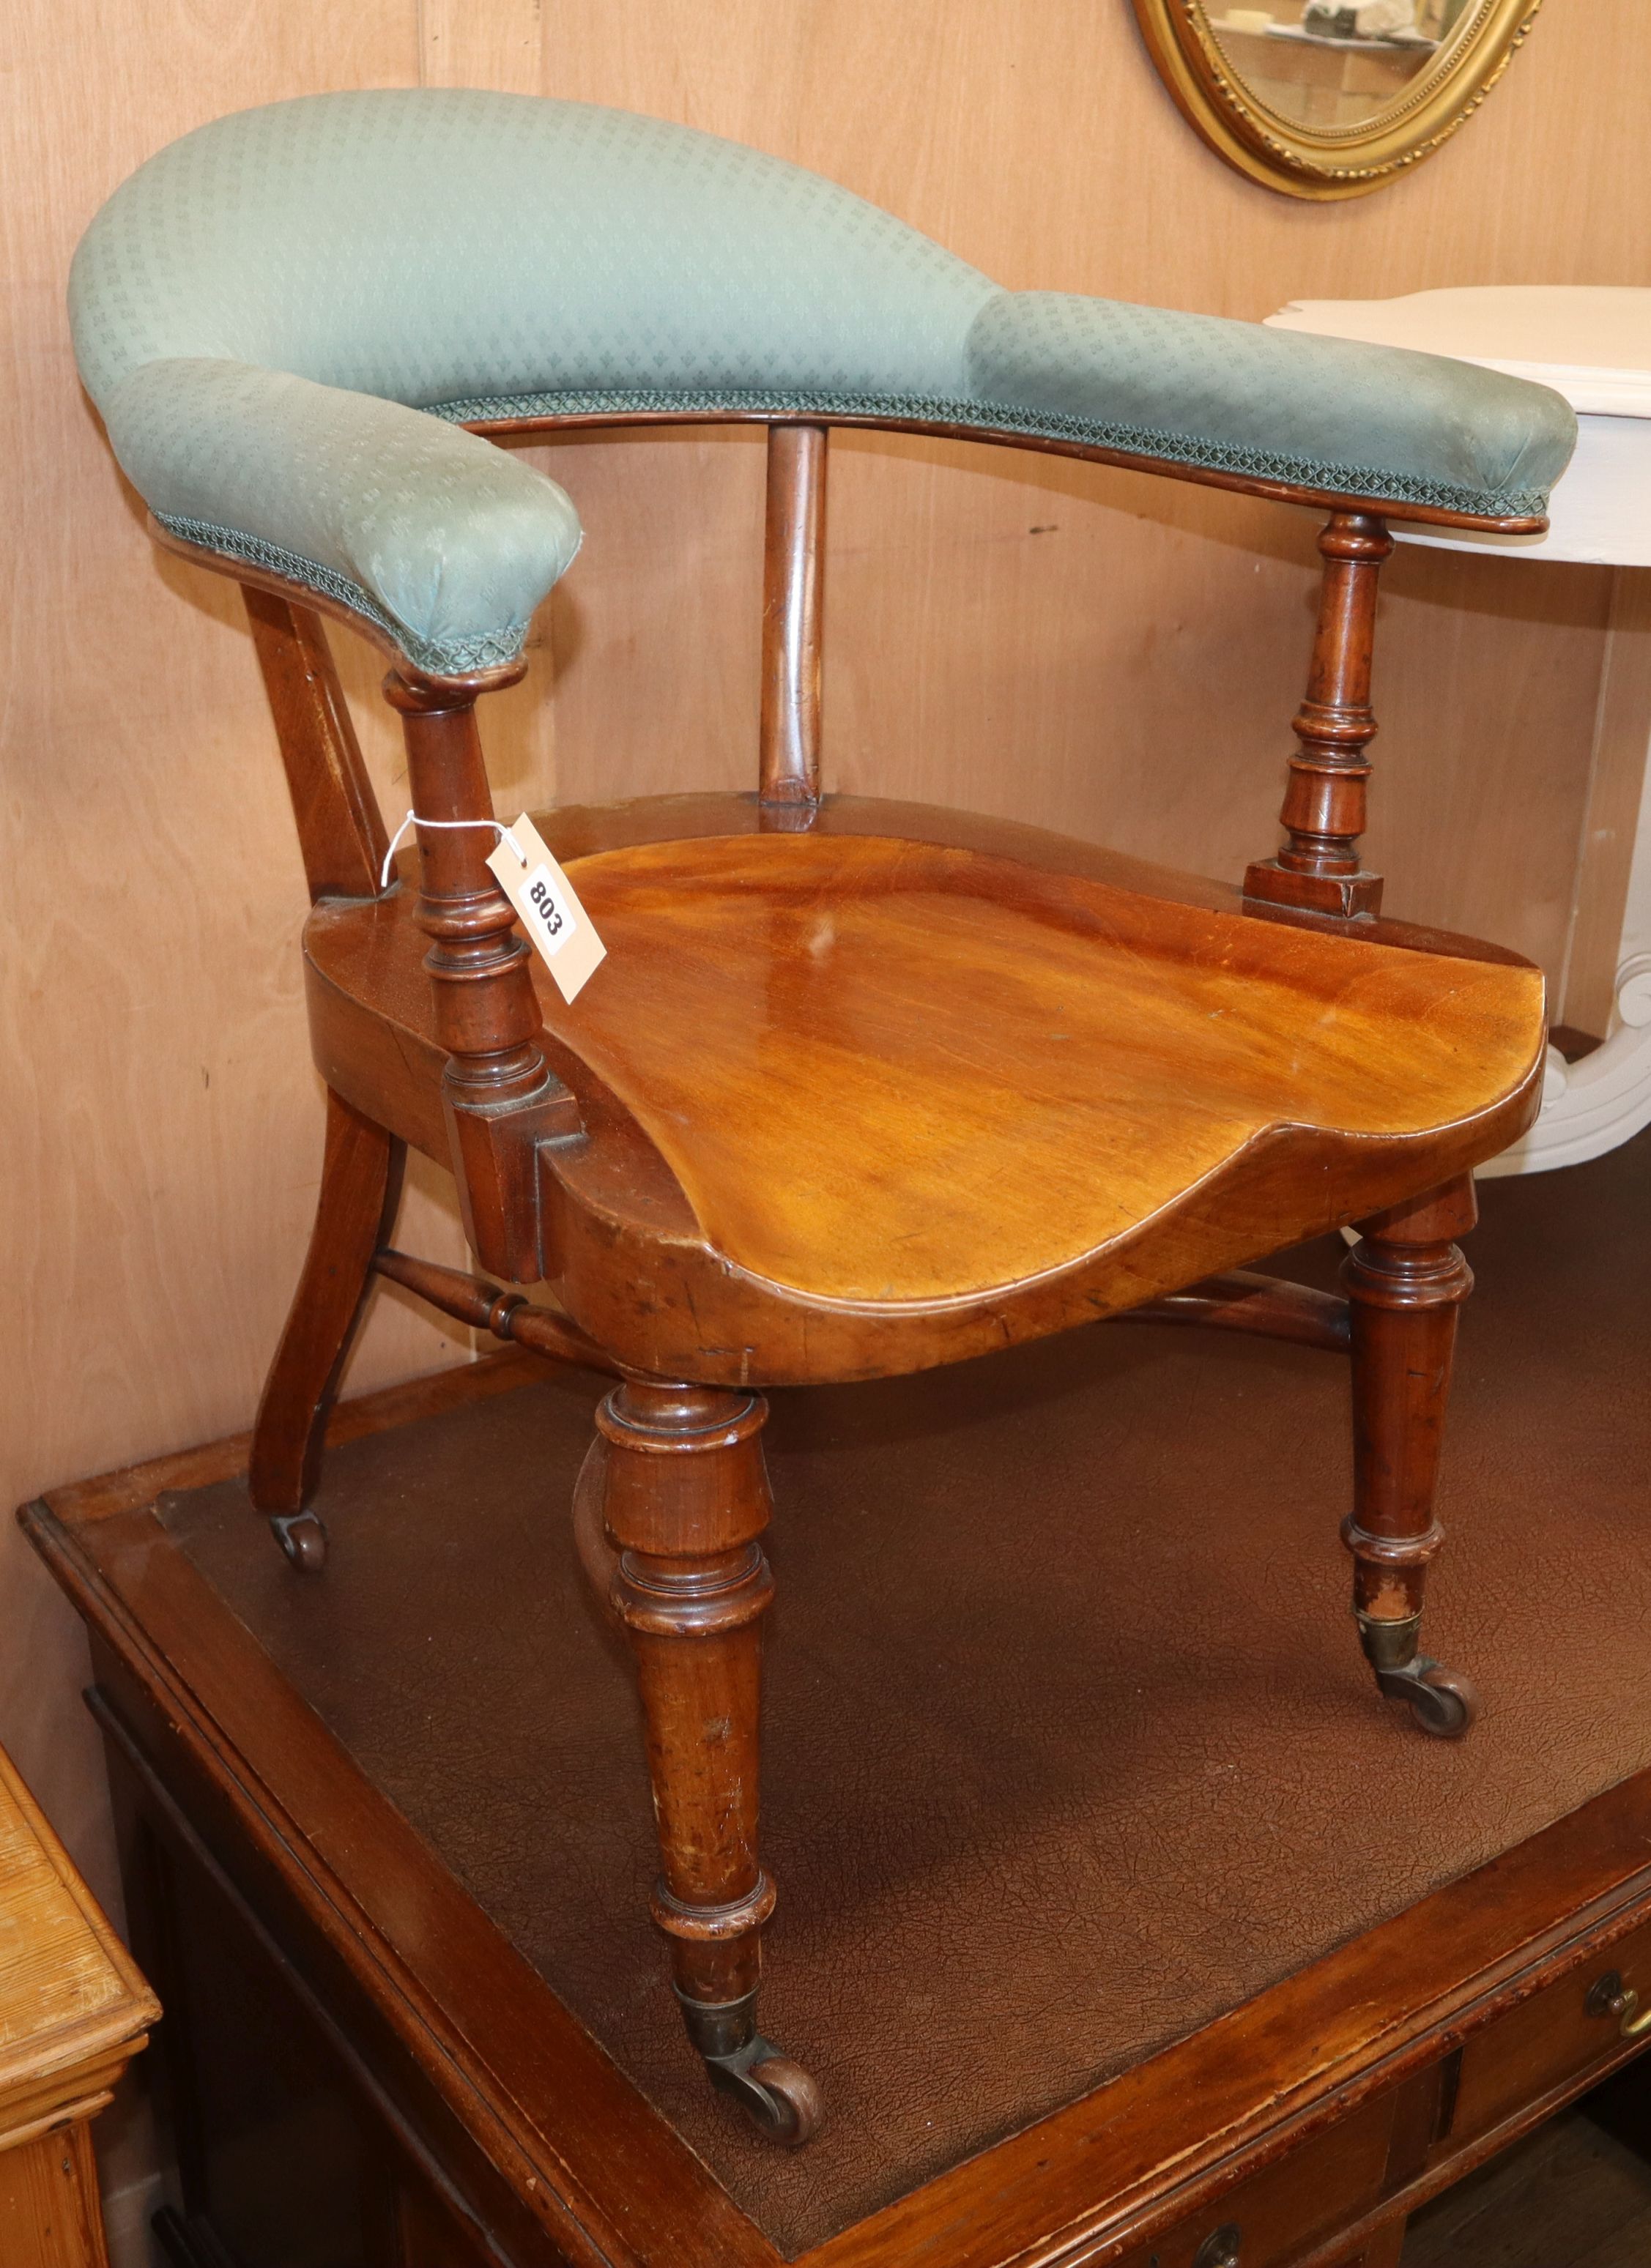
x,y
1415,428
269,310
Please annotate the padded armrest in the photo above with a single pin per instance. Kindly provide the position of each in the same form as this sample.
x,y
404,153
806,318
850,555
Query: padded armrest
x,y
1314,413
285,316
447,542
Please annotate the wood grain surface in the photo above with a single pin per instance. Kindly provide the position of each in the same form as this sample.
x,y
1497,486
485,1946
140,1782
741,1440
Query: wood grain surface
x,y
73,2008
48,2202
876,1004
881,1026
1579,2190
69,1991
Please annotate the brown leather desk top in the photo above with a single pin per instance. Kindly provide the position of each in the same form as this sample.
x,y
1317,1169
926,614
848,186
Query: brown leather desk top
x,y
1070,1746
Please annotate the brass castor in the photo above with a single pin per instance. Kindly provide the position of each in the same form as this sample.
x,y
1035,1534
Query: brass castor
x,y
302,1537
1443,1703
775,2094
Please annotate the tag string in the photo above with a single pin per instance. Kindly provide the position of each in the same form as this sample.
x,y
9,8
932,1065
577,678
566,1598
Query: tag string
x,y
501,834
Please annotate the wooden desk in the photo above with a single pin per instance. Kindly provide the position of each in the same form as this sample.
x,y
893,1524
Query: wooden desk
x,y
73,2012
1111,1925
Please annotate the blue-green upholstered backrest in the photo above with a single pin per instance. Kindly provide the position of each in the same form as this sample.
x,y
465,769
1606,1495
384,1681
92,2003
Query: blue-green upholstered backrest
x,y
460,247
263,310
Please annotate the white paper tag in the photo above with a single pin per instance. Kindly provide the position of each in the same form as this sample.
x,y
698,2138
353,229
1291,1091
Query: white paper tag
x,y
548,908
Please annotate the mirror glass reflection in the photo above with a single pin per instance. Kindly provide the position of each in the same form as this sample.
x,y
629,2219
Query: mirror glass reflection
x,y
1330,63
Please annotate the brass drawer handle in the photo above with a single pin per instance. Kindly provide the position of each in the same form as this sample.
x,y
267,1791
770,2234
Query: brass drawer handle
x,y
1221,2251
1611,1997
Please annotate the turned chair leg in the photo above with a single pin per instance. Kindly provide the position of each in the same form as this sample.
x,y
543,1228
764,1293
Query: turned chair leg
x,y
361,1186
685,1501
1406,1281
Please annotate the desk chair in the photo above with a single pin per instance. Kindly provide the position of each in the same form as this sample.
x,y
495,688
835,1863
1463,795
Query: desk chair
x,y
861,1087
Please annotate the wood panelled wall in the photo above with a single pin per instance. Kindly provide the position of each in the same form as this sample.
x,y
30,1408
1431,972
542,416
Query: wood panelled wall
x,y
1104,653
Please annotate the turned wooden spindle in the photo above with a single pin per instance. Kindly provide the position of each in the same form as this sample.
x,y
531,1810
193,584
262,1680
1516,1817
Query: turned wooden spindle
x,y
1317,868
792,561
483,1306
1405,1282
686,1500
499,1096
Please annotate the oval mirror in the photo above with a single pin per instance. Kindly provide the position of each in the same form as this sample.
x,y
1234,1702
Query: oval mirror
x,y
1331,98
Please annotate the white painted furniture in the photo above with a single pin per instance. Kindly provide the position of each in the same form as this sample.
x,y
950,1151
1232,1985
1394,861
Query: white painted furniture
x,y
1592,344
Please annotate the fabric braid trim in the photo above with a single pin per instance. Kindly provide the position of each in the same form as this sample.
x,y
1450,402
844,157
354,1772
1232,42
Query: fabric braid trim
x,y
487,650
1365,483
457,658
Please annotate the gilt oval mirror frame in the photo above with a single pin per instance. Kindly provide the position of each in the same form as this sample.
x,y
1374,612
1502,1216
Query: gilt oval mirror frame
x,y
1326,99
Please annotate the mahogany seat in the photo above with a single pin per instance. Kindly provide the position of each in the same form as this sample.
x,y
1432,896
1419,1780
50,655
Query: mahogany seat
x,y
963,1080
858,1088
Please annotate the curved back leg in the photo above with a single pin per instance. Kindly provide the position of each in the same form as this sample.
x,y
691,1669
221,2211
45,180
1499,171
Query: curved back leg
x,y
361,1189
341,837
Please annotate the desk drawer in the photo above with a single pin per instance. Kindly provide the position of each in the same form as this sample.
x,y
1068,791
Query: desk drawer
x,y
1300,2201
1549,2039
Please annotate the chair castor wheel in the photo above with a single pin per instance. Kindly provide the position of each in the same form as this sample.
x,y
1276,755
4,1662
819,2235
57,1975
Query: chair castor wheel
x,y
776,2095
302,1537
1443,1703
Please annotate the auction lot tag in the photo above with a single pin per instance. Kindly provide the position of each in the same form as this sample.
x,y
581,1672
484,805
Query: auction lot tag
x,y
558,925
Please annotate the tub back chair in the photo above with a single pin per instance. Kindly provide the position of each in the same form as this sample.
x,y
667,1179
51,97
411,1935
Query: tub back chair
x,y
859,1088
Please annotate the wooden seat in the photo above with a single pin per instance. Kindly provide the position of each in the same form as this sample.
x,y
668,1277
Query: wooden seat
x,y
920,1072
885,1067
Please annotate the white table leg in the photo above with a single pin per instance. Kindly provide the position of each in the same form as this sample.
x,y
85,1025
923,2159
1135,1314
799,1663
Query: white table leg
x,y
1594,1105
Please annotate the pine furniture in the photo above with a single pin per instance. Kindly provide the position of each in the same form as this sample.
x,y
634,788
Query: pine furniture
x,y
859,1089
74,2010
